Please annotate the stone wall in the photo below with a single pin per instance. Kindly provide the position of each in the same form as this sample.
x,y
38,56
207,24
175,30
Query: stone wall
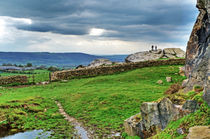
x,y
105,70
198,51
13,80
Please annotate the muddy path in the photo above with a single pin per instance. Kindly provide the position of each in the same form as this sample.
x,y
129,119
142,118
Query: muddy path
x,y
81,131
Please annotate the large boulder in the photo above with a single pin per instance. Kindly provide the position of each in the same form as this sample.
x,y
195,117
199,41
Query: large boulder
x,y
143,56
156,54
197,66
173,53
199,132
132,125
190,105
167,111
150,114
154,117
100,62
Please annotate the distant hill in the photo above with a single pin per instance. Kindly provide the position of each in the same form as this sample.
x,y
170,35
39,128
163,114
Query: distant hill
x,y
53,59
115,58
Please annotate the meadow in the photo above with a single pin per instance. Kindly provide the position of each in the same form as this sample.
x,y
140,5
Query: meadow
x,y
101,103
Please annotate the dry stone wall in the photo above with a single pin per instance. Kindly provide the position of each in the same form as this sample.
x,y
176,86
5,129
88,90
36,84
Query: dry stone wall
x,y
13,80
105,70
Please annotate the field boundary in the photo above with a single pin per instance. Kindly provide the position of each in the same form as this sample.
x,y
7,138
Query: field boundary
x,y
19,79
107,70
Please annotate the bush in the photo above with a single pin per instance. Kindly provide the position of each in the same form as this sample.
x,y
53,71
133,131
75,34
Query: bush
x,y
53,69
29,65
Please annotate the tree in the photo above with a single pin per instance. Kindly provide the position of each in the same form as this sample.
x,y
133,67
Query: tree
x,y
29,65
53,69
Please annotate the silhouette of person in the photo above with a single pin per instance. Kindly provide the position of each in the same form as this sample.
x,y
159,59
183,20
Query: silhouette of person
x,y
152,48
155,48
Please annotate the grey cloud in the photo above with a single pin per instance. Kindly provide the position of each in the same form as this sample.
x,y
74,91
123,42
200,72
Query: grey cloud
x,y
78,16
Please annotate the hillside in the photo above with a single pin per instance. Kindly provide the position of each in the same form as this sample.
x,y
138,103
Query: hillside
x,y
101,103
53,59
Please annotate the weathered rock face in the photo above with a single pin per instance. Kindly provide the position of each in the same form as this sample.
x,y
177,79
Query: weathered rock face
x,y
132,125
190,105
156,116
198,50
173,52
150,115
100,62
207,89
167,112
156,54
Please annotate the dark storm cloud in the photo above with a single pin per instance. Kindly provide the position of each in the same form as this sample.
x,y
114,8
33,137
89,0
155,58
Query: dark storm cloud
x,y
130,19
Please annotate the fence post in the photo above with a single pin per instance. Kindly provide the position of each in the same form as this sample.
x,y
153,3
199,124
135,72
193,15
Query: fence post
x,y
49,76
33,78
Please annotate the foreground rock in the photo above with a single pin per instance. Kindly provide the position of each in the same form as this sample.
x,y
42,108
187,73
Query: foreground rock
x,y
199,132
198,51
156,54
155,116
100,62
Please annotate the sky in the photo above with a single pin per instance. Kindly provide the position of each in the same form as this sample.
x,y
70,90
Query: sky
x,y
95,26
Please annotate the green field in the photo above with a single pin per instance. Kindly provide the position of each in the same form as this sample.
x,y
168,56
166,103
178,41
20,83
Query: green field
x,y
101,103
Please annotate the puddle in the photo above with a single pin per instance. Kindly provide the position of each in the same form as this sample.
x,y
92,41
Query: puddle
x,y
82,132
115,135
29,135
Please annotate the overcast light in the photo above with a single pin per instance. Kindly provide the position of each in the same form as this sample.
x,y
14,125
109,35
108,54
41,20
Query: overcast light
x,y
95,26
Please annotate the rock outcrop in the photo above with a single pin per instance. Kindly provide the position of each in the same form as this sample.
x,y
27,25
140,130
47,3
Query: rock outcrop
x,y
143,56
173,53
155,116
156,54
198,51
100,62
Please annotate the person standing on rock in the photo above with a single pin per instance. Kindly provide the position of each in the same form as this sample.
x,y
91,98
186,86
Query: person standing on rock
x,y
152,48
155,48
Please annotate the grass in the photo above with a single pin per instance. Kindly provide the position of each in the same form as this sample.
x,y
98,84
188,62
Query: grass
x,y
101,103
33,113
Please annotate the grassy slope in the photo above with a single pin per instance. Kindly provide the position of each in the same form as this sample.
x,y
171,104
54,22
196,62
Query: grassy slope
x,y
102,102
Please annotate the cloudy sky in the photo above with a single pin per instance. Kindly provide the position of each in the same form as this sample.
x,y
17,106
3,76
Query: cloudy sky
x,y
95,26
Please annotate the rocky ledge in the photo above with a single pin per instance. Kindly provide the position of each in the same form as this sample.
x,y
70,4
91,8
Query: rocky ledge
x,y
155,116
156,54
